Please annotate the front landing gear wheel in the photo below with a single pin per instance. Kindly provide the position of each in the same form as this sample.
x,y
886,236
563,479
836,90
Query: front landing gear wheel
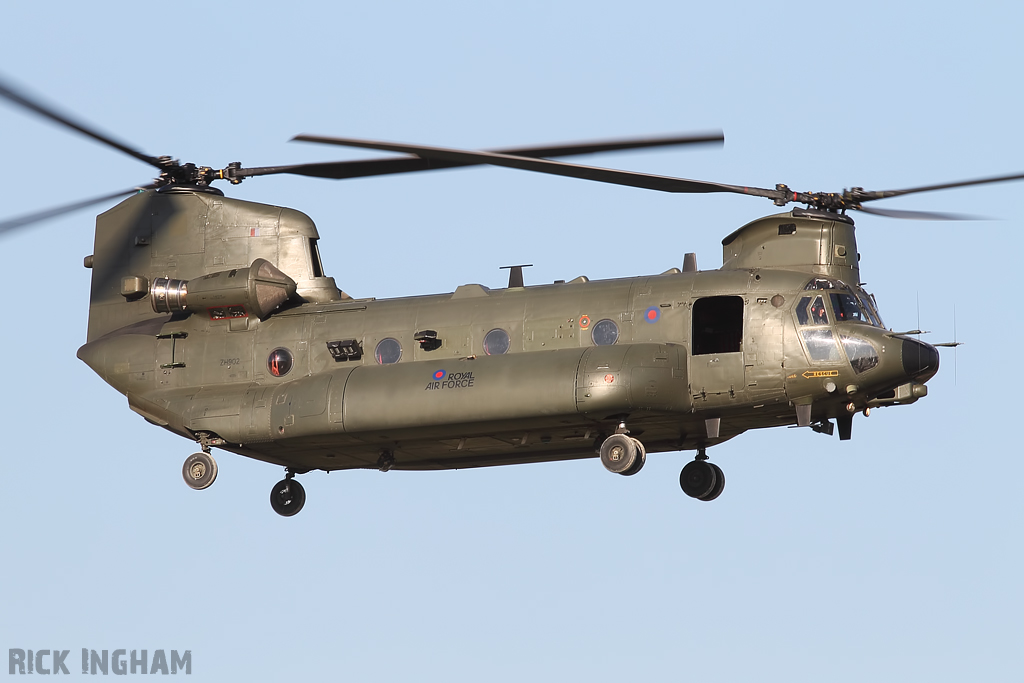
x,y
199,471
702,480
287,497
619,453
641,458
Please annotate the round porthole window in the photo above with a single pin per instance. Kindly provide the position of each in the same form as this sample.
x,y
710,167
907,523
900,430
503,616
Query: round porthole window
x,y
496,342
605,333
280,362
388,351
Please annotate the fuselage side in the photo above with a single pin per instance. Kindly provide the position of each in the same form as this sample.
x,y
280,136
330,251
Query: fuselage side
x,y
494,376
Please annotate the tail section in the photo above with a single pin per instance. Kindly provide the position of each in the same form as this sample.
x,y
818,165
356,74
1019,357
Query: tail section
x,y
185,234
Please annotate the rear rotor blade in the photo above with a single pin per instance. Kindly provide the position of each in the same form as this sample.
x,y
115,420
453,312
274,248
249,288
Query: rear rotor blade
x,y
863,196
13,95
605,175
919,215
369,167
39,216
571,149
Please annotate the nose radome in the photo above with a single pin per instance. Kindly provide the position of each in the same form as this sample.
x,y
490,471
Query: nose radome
x,y
920,359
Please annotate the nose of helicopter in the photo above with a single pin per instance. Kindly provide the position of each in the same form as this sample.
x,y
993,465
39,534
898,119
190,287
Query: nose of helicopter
x,y
920,360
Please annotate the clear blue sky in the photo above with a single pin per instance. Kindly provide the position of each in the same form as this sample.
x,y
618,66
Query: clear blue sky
x,y
894,556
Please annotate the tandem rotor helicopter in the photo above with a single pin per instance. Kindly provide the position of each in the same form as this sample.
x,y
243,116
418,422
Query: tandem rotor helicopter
x,y
215,318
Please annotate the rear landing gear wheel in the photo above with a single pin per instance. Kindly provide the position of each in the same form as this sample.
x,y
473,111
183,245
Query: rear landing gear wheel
x,y
702,480
199,471
287,497
619,453
719,483
641,458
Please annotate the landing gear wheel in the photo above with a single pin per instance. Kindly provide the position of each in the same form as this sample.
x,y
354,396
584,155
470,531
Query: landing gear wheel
x,y
719,483
619,453
199,471
641,458
287,497
702,480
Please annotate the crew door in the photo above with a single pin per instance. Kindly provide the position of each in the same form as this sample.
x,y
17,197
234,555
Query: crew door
x,y
716,352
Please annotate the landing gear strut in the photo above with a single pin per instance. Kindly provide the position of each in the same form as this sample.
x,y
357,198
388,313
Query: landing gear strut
x,y
701,479
199,470
287,497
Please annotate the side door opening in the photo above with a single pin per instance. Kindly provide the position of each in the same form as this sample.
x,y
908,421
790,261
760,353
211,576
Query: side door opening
x,y
716,351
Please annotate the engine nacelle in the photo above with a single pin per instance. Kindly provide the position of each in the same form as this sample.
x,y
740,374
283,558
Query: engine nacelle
x,y
257,290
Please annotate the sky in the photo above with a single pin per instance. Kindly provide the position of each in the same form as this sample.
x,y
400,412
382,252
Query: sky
x,y
892,556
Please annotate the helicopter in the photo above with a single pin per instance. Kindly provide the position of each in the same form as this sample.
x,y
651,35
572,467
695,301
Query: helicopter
x,y
216,320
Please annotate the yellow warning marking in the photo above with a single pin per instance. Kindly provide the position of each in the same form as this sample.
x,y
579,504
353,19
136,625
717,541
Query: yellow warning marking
x,y
811,374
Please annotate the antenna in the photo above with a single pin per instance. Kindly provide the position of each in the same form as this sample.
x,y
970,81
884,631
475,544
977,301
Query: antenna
x,y
515,274
953,344
919,314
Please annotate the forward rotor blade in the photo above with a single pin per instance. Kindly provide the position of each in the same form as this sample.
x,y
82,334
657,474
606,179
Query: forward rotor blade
x,y
606,175
339,170
13,95
39,216
919,215
882,194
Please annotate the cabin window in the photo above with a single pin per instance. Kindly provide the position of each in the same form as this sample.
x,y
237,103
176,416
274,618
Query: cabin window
x,y
280,362
496,342
605,332
717,325
388,351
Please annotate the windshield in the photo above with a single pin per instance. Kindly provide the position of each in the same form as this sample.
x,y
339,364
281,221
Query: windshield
x,y
867,302
849,304
847,308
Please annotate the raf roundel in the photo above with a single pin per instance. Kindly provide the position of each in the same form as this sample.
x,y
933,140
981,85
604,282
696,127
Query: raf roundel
x,y
652,314
439,375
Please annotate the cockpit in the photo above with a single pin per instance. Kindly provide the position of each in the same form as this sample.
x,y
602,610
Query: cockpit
x,y
833,301
850,304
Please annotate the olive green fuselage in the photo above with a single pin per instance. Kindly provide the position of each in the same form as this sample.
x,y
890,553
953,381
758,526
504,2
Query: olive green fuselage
x,y
687,347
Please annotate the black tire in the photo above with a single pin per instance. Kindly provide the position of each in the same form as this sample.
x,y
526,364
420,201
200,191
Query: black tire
x,y
287,497
719,484
199,471
619,453
641,459
698,479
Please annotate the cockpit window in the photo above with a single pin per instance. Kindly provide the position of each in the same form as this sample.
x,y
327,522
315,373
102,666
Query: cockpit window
x,y
868,312
802,316
861,353
849,304
867,302
821,345
847,308
827,283
820,283
819,316
811,312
